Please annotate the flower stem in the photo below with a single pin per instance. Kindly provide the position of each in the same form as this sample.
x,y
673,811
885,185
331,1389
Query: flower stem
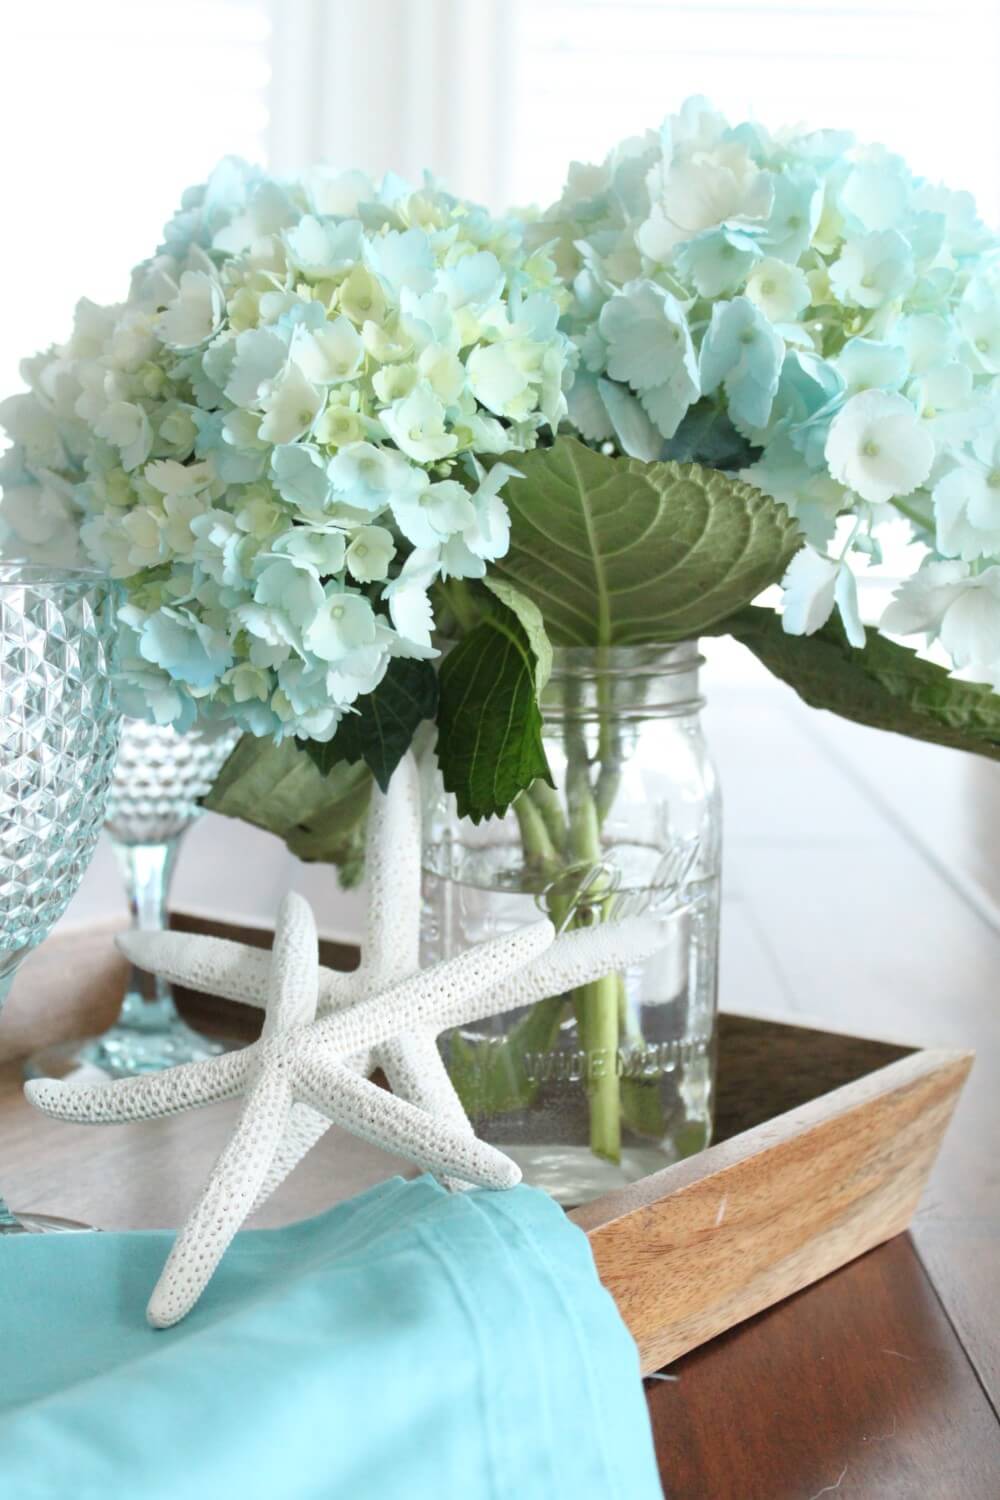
x,y
546,799
540,858
597,1003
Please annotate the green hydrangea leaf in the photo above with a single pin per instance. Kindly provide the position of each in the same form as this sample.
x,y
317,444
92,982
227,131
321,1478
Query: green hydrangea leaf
x,y
706,435
881,684
530,617
489,723
617,552
381,732
277,787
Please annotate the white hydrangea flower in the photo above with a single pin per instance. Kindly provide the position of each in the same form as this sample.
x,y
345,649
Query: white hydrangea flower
x,y
872,269
37,521
344,621
779,290
195,314
409,606
417,424
701,188
947,601
871,365
979,320
877,191
812,586
125,425
967,502
370,553
877,446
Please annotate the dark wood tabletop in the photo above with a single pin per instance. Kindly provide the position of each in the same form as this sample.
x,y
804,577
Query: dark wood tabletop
x,y
862,893
862,886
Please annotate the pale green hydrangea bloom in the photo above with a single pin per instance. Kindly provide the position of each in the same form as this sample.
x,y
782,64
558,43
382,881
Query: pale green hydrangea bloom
x,y
274,440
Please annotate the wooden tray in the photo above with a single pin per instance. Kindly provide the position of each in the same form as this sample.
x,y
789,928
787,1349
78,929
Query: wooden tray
x,y
824,1143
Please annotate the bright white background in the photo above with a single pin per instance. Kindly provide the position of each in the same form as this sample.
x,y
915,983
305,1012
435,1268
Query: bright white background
x,y
110,108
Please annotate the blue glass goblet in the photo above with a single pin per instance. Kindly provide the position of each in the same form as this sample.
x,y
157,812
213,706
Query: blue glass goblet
x,y
58,743
160,776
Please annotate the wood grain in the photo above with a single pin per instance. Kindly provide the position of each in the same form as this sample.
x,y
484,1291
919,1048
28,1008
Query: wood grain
x,y
695,1249
71,986
856,1389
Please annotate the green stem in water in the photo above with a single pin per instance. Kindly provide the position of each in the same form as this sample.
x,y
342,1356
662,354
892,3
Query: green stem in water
x,y
546,799
540,857
596,1004
609,751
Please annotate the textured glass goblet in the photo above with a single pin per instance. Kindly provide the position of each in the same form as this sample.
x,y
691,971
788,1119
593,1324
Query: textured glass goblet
x,y
58,741
158,780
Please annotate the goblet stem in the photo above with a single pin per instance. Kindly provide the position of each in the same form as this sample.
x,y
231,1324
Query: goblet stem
x,y
146,871
7,1220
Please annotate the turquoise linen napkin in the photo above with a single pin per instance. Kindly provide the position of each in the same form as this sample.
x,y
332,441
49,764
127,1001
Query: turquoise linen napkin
x,y
410,1343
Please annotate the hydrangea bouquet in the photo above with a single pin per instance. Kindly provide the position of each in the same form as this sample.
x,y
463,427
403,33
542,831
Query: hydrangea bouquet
x,y
336,424
810,315
276,441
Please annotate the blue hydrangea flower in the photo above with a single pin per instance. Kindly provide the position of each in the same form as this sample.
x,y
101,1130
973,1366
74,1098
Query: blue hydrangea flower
x,y
845,317
718,261
650,348
742,350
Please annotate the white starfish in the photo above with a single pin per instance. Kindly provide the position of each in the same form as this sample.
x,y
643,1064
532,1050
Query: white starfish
x,y
301,1059
411,1060
305,1071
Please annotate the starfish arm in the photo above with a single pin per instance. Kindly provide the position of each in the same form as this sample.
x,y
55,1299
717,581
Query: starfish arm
x,y
337,989
416,1072
217,966
437,997
392,933
574,959
214,966
293,982
306,1127
150,1096
378,1116
226,1201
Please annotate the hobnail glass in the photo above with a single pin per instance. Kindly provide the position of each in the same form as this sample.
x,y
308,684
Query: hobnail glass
x,y
58,741
160,776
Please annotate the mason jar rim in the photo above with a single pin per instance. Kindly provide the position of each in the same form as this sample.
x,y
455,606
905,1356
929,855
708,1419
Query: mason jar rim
x,y
644,659
649,658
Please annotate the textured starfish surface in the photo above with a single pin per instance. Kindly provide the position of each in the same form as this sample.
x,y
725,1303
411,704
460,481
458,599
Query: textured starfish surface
x,y
324,1031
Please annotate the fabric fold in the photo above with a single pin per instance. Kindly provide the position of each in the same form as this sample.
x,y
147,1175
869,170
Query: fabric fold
x,y
409,1343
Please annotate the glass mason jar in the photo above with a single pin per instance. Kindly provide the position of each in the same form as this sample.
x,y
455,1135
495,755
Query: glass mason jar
x,y
595,1088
